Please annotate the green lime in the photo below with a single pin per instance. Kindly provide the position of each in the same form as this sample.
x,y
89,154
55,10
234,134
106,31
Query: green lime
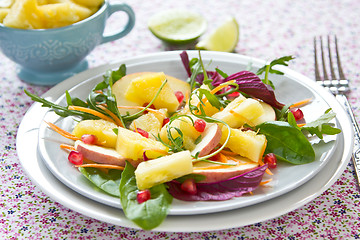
x,y
177,26
224,38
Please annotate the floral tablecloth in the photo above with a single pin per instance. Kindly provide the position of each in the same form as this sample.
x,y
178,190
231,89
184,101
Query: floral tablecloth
x,y
269,29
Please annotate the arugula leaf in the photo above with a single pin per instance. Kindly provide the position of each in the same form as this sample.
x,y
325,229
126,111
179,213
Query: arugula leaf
x,y
321,125
108,182
288,143
149,214
279,61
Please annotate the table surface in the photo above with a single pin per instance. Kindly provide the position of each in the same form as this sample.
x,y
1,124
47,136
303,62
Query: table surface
x,y
269,29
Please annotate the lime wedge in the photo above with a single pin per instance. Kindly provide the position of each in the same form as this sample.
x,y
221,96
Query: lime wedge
x,y
177,26
224,38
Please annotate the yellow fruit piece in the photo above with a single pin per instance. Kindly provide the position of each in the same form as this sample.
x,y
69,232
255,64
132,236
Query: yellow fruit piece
x,y
150,122
240,111
245,143
185,125
24,14
132,145
90,4
144,88
208,108
164,169
3,13
102,129
63,14
224,38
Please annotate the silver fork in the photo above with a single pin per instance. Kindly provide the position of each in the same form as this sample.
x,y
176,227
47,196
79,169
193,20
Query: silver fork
x,y
339,86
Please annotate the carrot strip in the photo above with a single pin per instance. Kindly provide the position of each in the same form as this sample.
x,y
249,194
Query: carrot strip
x,y
300,103
238,162
141,108
223,158
95,165
301,124
261,163
136,130
116,119
68,147
62,132
91,111
265,182
218,88
229,153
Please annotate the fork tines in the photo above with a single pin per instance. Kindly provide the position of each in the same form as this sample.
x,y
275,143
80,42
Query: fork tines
x,y
336,84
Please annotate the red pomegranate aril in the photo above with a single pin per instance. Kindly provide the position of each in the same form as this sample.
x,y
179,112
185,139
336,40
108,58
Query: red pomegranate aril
x,y
180,96
298,114
89,139
199,125
270,160
143,196
166,120
189,186
142,132
75,157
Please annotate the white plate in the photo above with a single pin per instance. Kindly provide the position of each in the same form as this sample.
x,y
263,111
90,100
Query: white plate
x,y
31,161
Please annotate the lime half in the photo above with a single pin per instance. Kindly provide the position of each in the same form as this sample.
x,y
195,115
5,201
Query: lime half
x,y
177,26
224,38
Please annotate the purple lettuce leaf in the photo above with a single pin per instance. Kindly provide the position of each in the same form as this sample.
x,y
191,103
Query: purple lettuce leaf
x,y
249,83
220,191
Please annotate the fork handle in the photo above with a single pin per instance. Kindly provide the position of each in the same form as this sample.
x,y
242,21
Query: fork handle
x,y
356,151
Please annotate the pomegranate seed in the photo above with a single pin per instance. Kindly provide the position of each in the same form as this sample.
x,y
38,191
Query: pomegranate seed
x,y
75,157
270,160
165,121
298,114
180,96
143,196
142,132
151,106
234,94
189,186
199,125
89,139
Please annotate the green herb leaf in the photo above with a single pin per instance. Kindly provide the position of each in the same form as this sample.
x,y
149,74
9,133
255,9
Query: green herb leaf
x,y
279,61
108,182
149,214
287,142
322,126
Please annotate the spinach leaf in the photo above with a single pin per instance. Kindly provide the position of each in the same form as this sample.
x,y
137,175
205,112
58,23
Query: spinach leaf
x,y
288,143
149,214
108,182
322,126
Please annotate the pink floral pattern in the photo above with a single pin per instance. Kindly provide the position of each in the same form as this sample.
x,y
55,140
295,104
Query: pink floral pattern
x,y
269,29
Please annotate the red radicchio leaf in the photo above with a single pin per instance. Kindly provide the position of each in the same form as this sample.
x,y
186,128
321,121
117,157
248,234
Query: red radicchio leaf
x,y
252,85
220,191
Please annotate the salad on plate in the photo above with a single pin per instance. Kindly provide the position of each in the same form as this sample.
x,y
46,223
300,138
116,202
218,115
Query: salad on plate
x,y
148,137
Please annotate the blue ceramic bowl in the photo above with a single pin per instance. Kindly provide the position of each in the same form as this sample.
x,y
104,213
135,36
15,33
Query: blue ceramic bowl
x,y
49,56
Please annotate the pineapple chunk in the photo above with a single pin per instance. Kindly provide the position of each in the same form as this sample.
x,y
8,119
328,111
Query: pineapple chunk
x,y
164,169
89,4
24,14
63,14
3,13
208,108
102,129
244,110
186,127
245,143
144,88
132,145
150,122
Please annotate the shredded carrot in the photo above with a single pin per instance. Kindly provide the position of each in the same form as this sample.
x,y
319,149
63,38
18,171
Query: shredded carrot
x,y
223,158
238,161
301,124
95,165
218,88
68,147
251,193
136,130
301,103
141,108
261,163
226,152
91,111
116,119
265,182
62,132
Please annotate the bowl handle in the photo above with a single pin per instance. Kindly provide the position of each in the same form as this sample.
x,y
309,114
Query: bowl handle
x,y
129,25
